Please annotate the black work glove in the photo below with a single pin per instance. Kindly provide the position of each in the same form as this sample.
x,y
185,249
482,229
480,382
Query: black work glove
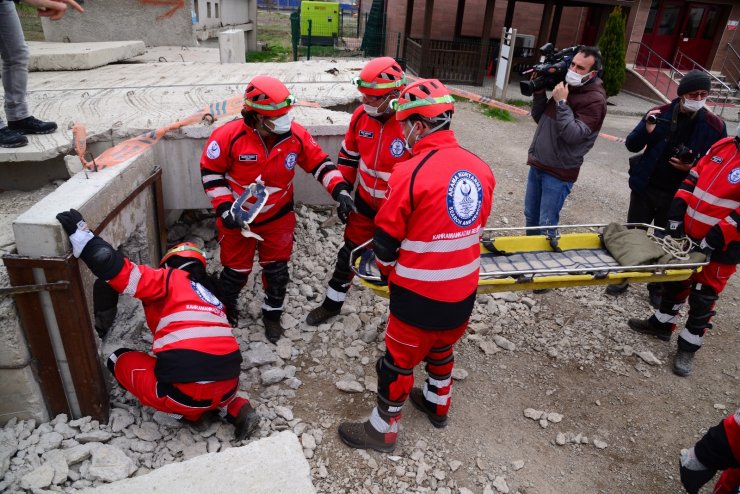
x,y
346,205
675,229
714,240
225,211
71,220
79,233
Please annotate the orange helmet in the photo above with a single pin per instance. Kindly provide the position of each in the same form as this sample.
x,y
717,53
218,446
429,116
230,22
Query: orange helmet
x,y
186,250
268,96
380,76
428,98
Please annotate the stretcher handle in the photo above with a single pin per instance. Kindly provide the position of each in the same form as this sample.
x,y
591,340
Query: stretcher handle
x,y
356,253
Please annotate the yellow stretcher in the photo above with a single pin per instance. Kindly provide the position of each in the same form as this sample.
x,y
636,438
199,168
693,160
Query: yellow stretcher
x,y
520,262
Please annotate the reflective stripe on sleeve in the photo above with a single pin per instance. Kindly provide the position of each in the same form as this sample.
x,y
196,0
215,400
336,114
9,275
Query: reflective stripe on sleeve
x,y
714,200
190,315
218,191
331,175
378,194
374,173
133,281
440,245
704,218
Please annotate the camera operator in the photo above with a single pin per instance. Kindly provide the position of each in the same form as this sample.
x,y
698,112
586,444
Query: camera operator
x,y
674,137
567,126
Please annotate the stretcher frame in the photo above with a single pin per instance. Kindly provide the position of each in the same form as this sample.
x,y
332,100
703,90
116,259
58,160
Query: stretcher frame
x,y
564,238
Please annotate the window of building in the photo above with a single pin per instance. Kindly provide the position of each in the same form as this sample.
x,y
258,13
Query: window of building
x,y
215,6
710,27
197,11
208,9
669,20
693,22
652,14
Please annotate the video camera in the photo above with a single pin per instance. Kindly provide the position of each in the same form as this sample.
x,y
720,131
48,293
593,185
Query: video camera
x,y
551,71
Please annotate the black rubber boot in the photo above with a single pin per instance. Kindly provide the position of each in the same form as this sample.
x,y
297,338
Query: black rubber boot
x,y
245,422
655,294
362,435
273,329
652,327
616,289
319,315
232,283
417,399
683,363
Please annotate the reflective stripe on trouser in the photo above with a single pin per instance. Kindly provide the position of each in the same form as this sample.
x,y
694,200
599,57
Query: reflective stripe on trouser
x,y
406,347
135,372
702,291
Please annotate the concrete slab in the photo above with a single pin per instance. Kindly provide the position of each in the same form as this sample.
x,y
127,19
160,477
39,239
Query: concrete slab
x,y
117,102
48,56
273,465
178,54
20,396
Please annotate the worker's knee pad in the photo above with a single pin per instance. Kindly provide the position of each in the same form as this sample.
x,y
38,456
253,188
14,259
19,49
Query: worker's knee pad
x,y
113,358
232,280
440,361
275,277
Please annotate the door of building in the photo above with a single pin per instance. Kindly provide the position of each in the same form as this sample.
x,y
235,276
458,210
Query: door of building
x,y
697,34
662,29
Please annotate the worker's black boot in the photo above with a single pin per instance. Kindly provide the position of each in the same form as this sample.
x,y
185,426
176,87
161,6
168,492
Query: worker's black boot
x,y
417,399
683,363
245,422
231,282
652,327
320,314
362,435
273,329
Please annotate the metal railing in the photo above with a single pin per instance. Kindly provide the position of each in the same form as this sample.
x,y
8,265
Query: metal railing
x,y
731,67
665,76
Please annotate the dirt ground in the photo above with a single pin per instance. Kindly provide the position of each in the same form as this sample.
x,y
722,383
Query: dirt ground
x,y
644,415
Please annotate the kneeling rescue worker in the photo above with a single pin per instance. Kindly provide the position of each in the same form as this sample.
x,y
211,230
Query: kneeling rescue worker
x,y
196,363
427,245
264,146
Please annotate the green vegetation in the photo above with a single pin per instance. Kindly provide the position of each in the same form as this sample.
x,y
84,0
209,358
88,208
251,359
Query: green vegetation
x,y
270,53
518,103
613,51
31,22
497,113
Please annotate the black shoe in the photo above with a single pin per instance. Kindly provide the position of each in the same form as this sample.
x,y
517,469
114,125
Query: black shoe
x,y
273,330
32,125
202,423
245,423
362,435
615,290
417,399
540,291
319,315
12,139
683,362
644,326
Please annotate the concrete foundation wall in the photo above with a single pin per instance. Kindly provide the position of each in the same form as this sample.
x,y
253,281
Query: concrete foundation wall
x,y
20,396
153,21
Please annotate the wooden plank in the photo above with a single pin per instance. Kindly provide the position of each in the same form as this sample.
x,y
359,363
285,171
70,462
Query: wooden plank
x,y
35,330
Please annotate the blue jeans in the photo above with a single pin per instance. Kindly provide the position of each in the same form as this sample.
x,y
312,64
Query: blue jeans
x,y
14,53
543,200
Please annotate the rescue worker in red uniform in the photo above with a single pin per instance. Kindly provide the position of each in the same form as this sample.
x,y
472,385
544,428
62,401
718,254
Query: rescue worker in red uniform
x,y
265,145
427,245
718,449
372,146
196,363
707,209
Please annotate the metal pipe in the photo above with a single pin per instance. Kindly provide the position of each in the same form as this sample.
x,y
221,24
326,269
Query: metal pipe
x,y
15,290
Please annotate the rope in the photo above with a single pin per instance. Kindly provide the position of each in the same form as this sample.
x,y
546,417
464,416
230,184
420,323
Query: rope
x,y
677,247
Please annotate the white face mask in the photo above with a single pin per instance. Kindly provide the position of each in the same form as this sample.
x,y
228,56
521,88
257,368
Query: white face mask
x,y
574,79
281,124
406,138
371,110
693,105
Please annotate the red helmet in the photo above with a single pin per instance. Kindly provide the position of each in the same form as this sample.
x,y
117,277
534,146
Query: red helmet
x,y
380,76
187,250
426,97
268,96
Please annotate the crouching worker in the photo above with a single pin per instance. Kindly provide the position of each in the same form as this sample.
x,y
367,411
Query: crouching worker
x,y
197,359
719,449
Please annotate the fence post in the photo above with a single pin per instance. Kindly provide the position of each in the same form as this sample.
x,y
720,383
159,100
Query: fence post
x,y
295,32
310,41
359,14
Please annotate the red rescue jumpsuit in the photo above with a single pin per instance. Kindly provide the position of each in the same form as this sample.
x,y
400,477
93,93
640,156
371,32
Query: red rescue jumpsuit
x,y
235,157
708,203
197,359
427,244
371,147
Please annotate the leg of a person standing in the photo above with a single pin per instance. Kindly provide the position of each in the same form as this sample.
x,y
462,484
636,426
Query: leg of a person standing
x,y
554,193
15,54
640,208
532,198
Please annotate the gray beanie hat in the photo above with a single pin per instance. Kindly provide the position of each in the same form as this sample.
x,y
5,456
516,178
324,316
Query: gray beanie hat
x,y
694,80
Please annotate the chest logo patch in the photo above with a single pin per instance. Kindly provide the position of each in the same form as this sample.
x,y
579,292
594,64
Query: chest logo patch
x,y
204,294
397,147
734,176
367,133
717,159
213,151
247,157
464,198
290,161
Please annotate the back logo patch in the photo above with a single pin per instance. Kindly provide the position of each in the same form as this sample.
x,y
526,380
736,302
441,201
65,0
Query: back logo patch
x,y
464,198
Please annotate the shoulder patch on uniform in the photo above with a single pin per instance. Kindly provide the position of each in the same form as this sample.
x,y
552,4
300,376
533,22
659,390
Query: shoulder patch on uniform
x,y
397,147
213,151
464,198
290,161
717,159
734,176
204,294
367,133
